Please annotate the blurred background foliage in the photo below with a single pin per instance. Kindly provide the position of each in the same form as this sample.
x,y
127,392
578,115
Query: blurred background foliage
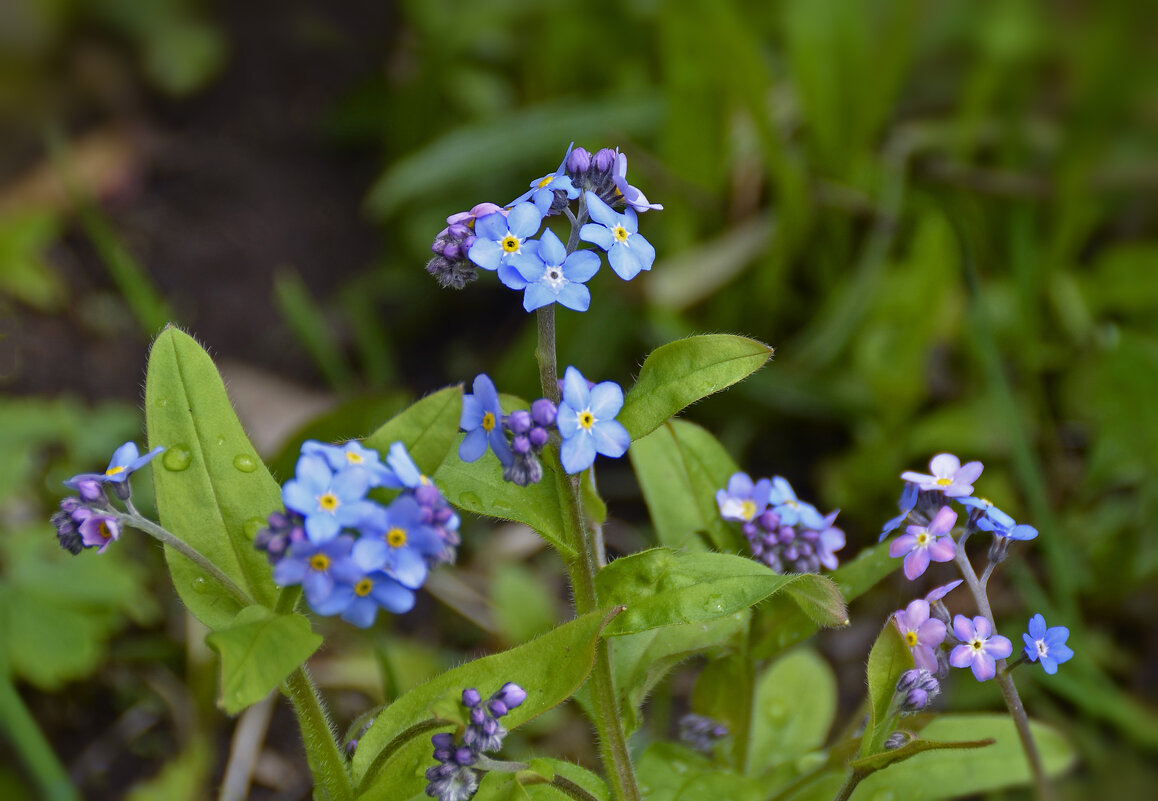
x,y
943,215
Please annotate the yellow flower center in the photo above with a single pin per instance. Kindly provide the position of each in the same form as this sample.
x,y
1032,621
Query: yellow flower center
x,y
319,562
911,639
748,509
104,530
944,482
510,243
354,458
976,645
922,539
328,501
544,181
112,471
363,587
396,537
586,420
488,422
620,233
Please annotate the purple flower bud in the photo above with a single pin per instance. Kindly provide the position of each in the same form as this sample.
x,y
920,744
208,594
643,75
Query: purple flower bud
x,y
897,739
579,161
497,708
769,520
458,231
787,534
539,437
351,747
544,412
521,444
519,421
428,495
451,251
90,491
443,740
604,160
464,756
512,695
915,701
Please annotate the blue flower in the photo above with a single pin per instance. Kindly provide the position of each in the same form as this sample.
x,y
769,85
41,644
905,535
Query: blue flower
x,y
404,471
992,519
550,275
791,510
906,504
586,420
499,237
481,419
126,460
1047,645
396,541
350,455
627,252
371,592
542,191
322,569
743,499
631,196
327,500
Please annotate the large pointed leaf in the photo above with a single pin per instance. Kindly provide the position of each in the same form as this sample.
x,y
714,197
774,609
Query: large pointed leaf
x,y
258,650
212,490
550,668
680,466
888,659
661,587
680,373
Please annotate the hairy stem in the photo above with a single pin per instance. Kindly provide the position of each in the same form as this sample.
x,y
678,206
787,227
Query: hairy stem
x,y
326,762
581,570
1005,683
850,783
164,536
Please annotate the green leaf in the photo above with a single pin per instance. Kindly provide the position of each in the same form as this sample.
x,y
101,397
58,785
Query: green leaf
x,y
662,587
524,608
792,710
942,774
500,787
428,429
549,668
888,659
479,487
672,772
680,466
639,661
212,490
781,623
564,772
680,373
258,650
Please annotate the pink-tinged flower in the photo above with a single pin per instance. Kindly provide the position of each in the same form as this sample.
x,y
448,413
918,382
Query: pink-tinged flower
x,y
949,476
920,544
937,593
923,634
743,500
980,647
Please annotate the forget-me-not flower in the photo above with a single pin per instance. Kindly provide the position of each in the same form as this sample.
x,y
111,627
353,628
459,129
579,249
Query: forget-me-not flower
x,y
627,252
371,592
586,420
126,460
980,647
923,634
395,540
482,420
551,275
791,509
542,191
499,237
320,568
329,501
1047,645
631,196
906,504
948,476
743,499
348,455
920,544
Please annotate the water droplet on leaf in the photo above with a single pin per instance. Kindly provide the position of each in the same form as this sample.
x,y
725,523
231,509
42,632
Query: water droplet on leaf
x,y
252,526
201,585
469,500
244,463
177,458
162,402
220,439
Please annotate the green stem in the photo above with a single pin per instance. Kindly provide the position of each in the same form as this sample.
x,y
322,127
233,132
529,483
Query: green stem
x,y
1005,683
29,743
581,570
850,783
326,762
144,524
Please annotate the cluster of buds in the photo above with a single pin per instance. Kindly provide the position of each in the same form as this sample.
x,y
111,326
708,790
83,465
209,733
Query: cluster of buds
x,y
455,777
529,430
283,529
916,689
701,732
450,266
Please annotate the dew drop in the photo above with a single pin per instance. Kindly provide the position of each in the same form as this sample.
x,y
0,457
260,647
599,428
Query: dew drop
x,y
162,402
252,526
470,500
201,585
177,458
714,603
678,767
244,463
501,506
220,439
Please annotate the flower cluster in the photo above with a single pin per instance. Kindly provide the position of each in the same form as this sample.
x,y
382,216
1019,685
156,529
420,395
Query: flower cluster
x,y
585,420
500,239
351,554
455,778
916,689
783,532
701,732
926,505
88,519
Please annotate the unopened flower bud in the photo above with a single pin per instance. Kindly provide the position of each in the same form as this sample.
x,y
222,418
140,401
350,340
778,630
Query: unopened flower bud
x,y
519,421
544,412
579,161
